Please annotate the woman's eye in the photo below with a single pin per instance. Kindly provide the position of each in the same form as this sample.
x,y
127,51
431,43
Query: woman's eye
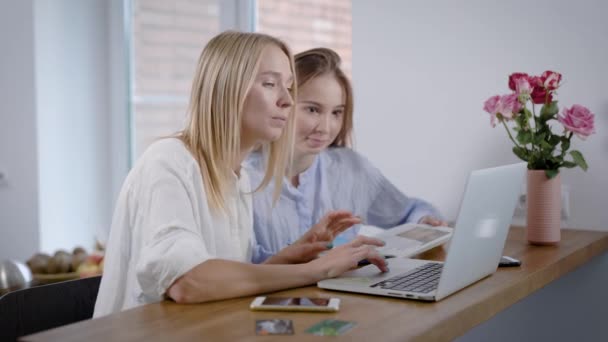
x,y
337,113
312,109
268,84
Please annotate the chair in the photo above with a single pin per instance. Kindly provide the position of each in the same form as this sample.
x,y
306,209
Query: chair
x,y
39,308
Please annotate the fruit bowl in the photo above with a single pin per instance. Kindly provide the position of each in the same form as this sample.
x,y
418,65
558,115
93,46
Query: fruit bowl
x,y
53,278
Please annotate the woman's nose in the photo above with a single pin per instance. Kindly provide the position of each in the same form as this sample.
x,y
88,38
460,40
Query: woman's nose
x,y
285,100
323,125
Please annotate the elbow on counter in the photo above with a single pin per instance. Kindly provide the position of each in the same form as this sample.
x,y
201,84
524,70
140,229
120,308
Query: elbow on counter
x,y
185,291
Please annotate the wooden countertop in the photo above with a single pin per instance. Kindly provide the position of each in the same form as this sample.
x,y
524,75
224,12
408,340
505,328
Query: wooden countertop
x,y
377,318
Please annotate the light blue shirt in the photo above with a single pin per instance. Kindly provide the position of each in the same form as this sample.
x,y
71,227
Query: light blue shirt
x,y
339,178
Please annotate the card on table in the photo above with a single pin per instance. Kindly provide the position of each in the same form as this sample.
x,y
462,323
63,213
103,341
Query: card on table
x,y
273,327
330,327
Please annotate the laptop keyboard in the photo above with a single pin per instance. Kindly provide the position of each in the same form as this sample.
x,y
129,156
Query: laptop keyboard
x,y
422,279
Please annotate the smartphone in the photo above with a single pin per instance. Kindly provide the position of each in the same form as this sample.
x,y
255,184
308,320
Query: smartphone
x,y
295,304
506,261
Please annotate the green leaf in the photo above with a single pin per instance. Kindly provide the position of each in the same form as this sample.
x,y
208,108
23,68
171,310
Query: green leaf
x,y
549,110
521,121
569,164
524,137
546,146
551,173
579,159
554,139
539,138
521,153
565,146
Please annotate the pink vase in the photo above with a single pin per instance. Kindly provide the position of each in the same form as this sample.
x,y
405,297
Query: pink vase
x,y
544,208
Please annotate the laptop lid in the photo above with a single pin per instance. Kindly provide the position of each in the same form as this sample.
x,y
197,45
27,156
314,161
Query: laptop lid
x,y
482,226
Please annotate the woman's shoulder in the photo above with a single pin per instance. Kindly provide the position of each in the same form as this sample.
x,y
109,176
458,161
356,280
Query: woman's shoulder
x,y
167,154
344,157
166,147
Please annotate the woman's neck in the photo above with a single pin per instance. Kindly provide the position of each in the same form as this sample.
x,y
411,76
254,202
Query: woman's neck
x,y
300,164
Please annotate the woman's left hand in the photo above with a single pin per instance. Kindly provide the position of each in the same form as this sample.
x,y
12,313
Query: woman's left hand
x,y
432,221
299,253
316,240
330,225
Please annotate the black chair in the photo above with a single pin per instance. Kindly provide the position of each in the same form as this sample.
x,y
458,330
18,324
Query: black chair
x,y
39,308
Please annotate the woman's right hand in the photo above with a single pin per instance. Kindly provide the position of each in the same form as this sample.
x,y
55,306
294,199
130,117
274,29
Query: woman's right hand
x,y
346,257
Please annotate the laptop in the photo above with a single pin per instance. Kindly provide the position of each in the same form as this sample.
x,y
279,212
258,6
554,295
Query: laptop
x,y
474,250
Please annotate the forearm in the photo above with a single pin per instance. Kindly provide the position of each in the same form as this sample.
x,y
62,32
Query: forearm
x,y
276,260
222,279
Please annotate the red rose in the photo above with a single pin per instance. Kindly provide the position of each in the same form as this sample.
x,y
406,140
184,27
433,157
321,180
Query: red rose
x,y
539,93
551,79
514,77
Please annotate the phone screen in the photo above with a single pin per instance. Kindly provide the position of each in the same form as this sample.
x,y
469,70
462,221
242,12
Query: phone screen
x,y
296,301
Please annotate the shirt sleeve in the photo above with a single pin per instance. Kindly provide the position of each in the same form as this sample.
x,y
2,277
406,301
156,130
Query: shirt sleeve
x,y
390,207
260,253
172,241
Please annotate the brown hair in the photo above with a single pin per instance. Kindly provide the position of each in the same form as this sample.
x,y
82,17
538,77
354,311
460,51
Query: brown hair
x,y
320,61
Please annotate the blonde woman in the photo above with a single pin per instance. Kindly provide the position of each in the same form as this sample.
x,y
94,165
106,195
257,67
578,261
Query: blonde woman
x,y
326,174
182,228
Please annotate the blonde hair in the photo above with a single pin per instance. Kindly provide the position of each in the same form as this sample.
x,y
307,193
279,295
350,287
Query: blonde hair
x,y
321,61
227,68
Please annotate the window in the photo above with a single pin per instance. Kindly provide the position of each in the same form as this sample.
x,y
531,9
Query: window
x,y
306,24
168,36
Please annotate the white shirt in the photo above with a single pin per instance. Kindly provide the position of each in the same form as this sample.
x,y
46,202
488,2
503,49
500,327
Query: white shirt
x,y
163,227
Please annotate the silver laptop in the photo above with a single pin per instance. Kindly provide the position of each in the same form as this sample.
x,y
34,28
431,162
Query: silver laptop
x,y
474,251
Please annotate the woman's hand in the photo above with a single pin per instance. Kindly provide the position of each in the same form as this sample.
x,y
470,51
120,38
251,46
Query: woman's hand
x,y
347,256
299,253
431,221
330,225
316,240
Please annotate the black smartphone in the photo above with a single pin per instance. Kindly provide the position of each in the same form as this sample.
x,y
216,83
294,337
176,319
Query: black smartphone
x,y
507,261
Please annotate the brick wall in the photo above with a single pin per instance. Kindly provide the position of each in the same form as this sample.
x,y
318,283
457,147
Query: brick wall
x,y
305,24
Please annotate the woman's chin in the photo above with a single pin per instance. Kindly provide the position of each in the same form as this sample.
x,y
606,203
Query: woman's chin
x,y
311,150
272,135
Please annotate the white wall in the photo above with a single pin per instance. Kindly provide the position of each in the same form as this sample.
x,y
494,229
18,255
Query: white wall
x,y
64,122
19,194
118,101
73,110
421,72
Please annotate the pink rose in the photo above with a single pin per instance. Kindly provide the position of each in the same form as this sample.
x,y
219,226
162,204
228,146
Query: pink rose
x,y
551,79
578,120
491,106
514,77
507,106
522,86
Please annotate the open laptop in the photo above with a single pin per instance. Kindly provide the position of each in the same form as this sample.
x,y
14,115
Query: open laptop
x,y
475,248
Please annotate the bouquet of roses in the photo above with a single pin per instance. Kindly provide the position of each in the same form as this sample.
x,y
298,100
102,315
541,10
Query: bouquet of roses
x,y
535,140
